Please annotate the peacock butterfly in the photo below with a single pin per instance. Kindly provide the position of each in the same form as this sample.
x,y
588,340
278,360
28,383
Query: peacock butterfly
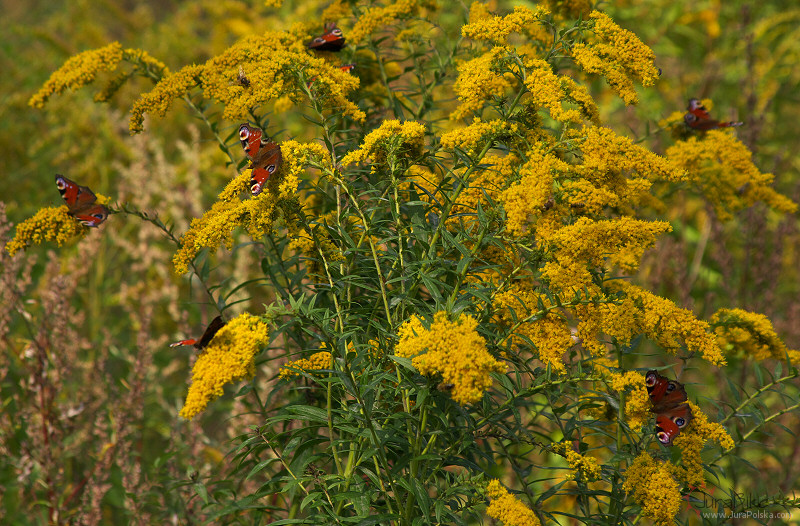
x,y
331,40
698,118
264,153
669,405
81,202
211,331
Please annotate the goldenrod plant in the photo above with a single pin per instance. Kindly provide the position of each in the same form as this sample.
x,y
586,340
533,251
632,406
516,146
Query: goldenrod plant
x,y
443,288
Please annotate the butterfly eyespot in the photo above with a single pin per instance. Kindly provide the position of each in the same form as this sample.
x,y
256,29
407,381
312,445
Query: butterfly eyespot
x,y
244,133
60,184
319,40
680,422
670,387
337,32
271,168
662,437
650,380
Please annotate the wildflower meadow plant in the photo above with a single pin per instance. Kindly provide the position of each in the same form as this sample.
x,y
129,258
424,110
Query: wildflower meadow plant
x,y
443,320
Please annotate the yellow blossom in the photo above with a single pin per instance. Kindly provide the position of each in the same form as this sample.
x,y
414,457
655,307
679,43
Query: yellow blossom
x,y
722,167
471,137
668,324
378,17
550,335
550,91
452,349
389,143
48,224
257,215
637,401
692,440
507,508
750,333
229,357
496,29
588,244
654,488
315,362
275,64
524,200
479,81
78,71
584,467
618,55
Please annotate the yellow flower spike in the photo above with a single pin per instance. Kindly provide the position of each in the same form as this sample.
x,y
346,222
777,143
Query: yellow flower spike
x,y
692,440
48,224
722,167
619,56
78,71
229,357
584,467
496,29
276,65
470,138
391,141
377,17
590,243
257,215
507,508
478,82
750,333
452,349
316,362
667,324
550,336
654,488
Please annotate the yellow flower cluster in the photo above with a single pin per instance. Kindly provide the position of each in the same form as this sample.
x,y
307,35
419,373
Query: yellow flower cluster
x,y
550,335
479,81
692,440
722,167
78,71
507,508
751,333
452,349
550,91
524,201
274,64
476,135
654,488
377,17
496,29
48,224
228,358
637,401
316,362
587,244
619,56
389,143
667,324
583,467
256,215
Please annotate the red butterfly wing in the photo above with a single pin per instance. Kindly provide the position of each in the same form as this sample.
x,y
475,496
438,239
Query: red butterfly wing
x,y
81,202
331,40
698,118
211,331
670,423
668,398
265,154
